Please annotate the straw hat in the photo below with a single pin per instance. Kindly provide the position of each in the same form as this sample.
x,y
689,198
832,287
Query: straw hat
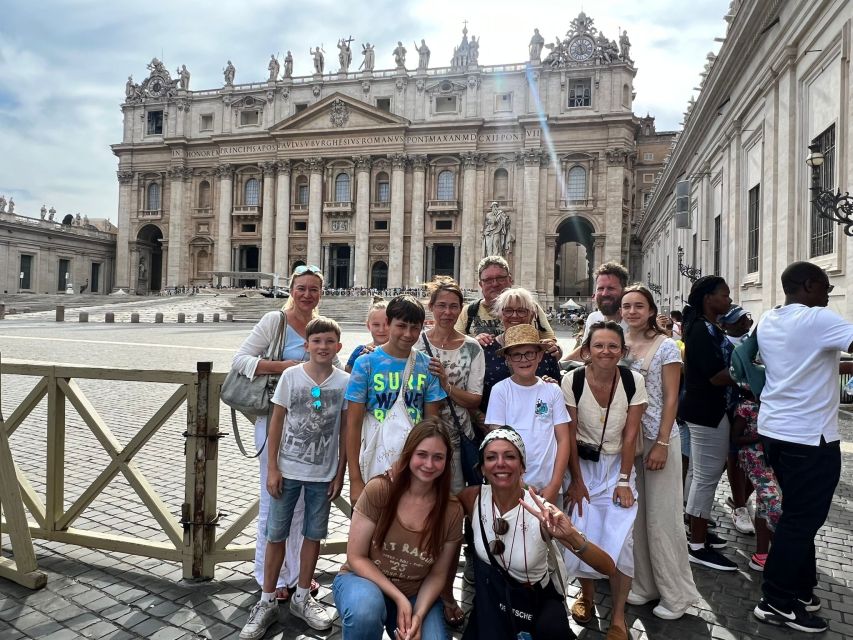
x,y
520,334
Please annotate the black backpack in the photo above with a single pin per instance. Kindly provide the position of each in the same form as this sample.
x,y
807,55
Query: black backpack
x,y
624,372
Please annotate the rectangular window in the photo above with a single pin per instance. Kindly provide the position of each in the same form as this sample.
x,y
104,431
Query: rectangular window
x,y
380,225
25,277
155,123
503,102
580,92
300,225
302,194
206,123
95,277
648,155
301,107
248,228
248,118
822,233
445,104
383,104
718,238
383,189
752,224
444,225
62,274
648,178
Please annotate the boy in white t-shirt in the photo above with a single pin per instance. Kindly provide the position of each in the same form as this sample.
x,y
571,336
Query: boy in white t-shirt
x,y
306,453
535,409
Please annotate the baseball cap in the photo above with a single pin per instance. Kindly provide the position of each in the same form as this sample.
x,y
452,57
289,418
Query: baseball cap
x,y
735,313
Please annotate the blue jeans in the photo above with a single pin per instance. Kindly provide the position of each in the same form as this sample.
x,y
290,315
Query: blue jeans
x,y
365,611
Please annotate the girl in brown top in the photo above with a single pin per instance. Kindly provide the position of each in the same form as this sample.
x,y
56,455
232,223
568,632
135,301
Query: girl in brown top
x,y
402,541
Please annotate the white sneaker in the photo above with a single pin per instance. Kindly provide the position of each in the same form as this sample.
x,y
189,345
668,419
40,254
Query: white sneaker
x,y
636,600
261,617
743,522
665,614
312,612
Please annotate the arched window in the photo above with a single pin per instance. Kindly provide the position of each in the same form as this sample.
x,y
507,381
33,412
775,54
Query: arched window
x,y
445,190
302,190
153,197
576,185
383,188
501,184
342,188
204,195
251,193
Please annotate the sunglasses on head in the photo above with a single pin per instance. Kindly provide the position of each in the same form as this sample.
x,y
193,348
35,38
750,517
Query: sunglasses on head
x,y
306,268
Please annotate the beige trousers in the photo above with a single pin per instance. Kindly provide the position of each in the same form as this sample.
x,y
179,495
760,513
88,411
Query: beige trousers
x,y
661,567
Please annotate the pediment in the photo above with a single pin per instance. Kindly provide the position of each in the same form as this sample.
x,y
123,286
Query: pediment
x,y
338,112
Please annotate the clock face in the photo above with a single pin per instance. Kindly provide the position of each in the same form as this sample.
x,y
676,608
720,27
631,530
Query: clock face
x,y
581,48
156,88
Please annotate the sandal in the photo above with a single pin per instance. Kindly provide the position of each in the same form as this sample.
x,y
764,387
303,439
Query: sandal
x,y
453,615
583,611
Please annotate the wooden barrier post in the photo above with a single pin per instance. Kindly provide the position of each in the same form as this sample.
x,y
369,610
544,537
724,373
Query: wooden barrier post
x,y
55,490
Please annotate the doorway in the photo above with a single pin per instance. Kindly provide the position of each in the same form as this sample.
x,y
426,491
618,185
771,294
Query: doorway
x,y
248,260
339,266
379,276
150,265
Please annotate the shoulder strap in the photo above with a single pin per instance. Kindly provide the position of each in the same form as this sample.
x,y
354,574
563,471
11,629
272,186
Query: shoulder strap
x,y
578,378
628,382
473,310
651,353
449,401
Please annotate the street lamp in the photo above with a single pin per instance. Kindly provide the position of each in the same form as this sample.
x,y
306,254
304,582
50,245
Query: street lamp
x,y
832,206
654,288
691,273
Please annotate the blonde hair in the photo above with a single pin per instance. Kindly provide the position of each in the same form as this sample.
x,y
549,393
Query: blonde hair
x,y
513,294
288,305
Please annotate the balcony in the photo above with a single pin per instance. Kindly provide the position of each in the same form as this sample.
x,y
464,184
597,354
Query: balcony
x,y
299,207
246,211
338,208
202,212
150,214
443,207
575,203
380,205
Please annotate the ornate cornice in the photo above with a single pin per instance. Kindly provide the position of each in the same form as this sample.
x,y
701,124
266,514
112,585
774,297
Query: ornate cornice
x,y
124,177
362,163
315,164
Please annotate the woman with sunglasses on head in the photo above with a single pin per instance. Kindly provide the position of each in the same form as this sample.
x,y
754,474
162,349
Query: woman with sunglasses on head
x,y
512,530
606,403
404,536
306,288
661,569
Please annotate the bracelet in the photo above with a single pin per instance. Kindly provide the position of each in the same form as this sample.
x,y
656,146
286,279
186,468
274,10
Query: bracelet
x,y
623,484
662,443
581,548
623,476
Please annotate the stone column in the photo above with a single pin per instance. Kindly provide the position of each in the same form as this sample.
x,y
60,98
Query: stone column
x,y
176,226
397,228
359,276
550,248
351,269
133,281
466,264
416,242
223,224
456,263
315,210
282,220
429,251
543,267
598,240
616,162
529,233
268,217
125,181
326,265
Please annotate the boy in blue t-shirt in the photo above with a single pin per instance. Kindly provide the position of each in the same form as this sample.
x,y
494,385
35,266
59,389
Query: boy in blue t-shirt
x,y
375,382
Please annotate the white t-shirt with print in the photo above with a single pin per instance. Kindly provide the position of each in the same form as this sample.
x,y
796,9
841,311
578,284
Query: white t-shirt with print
x,y
532,411
309,448
800,347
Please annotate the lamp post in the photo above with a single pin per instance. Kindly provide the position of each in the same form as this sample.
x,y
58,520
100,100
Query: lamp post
x,y
691,273
832,206
654,288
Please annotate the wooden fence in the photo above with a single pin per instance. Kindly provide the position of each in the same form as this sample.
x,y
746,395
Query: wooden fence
x,y
193,539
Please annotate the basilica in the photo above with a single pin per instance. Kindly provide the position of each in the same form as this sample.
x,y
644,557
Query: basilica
x,y
386,177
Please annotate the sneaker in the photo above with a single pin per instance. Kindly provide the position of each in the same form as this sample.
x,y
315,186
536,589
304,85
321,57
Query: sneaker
x,y
757,561
312,612
796,618
665,614
261,617
637,601
811,605
743,522
711,558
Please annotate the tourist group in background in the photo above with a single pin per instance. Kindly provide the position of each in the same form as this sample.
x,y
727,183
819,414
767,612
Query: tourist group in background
x,y
478,441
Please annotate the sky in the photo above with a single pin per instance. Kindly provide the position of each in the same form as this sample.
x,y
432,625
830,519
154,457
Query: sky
x,y
64,64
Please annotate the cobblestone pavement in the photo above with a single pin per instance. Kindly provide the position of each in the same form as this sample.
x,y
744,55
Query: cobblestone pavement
x,y
97,594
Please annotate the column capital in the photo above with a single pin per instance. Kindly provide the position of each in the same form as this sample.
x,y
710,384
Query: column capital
x,y
315,164
419,162
398,160
283,167
225,171
268,168
187,174
471,159
529,157
362,163
124,177
620,156
176,173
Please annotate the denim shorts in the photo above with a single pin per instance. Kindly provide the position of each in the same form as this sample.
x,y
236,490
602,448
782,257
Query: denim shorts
x,y
317,507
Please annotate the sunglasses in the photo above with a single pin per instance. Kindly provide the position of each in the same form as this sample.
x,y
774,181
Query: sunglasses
x,y
316,403
500,527
306,268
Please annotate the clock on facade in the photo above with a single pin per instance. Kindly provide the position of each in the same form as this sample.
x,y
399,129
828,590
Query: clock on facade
x,y
581,48
155,88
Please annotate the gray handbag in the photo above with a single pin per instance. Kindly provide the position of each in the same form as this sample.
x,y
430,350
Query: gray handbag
x,y
251,396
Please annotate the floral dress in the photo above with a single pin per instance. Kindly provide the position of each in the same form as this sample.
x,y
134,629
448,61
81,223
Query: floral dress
x,y
751,459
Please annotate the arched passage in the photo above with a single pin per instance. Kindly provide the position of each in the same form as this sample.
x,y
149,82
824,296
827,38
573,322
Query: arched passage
x,y
379,275
575,258
149,263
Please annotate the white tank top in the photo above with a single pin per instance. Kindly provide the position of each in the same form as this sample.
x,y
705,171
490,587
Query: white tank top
x,y
523,540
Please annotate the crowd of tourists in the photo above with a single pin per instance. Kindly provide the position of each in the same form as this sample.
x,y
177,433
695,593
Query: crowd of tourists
x,y
479,442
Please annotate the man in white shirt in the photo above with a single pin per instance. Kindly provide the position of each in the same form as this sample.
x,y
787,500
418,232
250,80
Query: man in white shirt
x,y
799,344
611,278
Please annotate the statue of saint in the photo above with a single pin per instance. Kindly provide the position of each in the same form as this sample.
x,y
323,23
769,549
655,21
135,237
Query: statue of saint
x,y
400,56
369,57
11,204
273,67
319,59
495,231
344,54
43,212
625,45
2,204
130,88
229,73
51,213
423,55
143,272
156,65
537,43
77,220
288,65
474,51
85,220
184,77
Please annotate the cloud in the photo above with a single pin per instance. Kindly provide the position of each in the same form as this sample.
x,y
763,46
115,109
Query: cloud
x,y
63,64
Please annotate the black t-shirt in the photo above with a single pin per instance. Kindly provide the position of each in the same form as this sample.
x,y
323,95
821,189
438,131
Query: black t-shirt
x,y
705,354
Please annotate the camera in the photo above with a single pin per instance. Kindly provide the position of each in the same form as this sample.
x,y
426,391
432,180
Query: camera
x,y
588,452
